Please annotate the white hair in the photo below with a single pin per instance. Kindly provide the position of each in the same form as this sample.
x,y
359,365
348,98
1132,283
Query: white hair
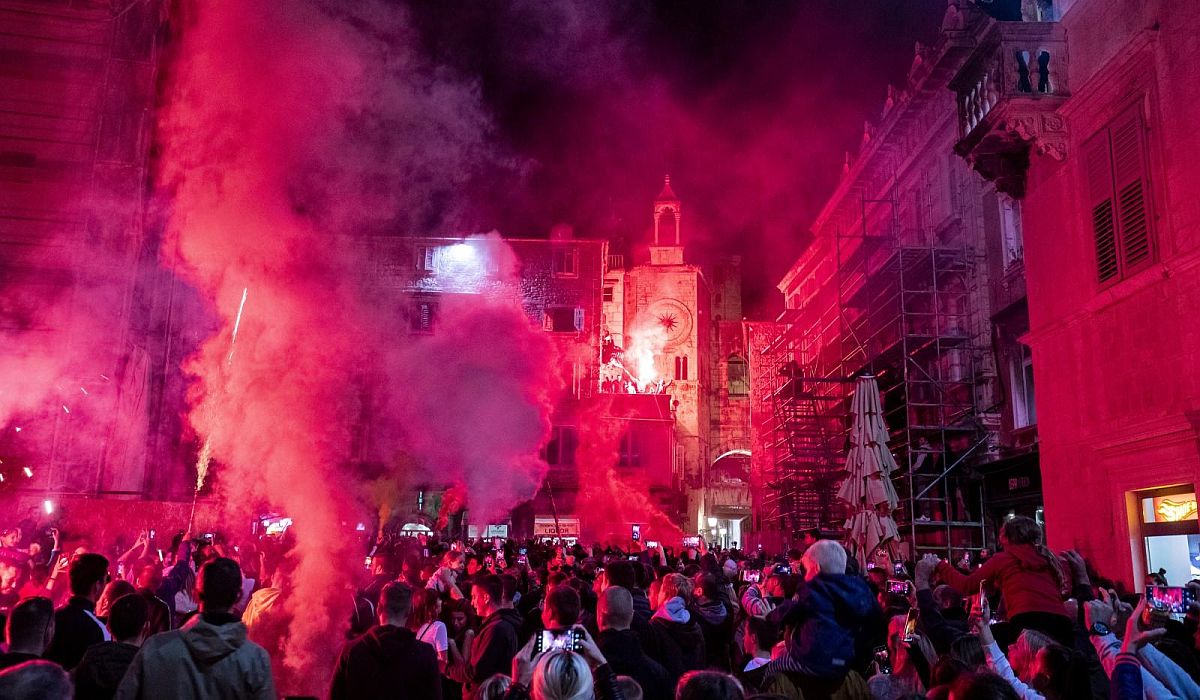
x,y
825,557
562,675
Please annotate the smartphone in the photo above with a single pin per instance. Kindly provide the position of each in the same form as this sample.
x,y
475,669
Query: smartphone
x,y
153,533
782,569
982,595
1168,602
651,544
899,587
522,559
522,551
633,557
870,565
910,624
208,537
898,568
160,555
882,660
565,639
693,541
751,576
367,564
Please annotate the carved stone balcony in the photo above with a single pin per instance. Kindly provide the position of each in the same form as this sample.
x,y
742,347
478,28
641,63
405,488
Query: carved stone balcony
x,y
1008,93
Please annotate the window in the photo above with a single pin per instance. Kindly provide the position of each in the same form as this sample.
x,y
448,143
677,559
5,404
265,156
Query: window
x,y
423,258
629,453
421,319
1011,237
566,262
738,384
564,319
560,450
1023,406
1115,166
681,368
607,294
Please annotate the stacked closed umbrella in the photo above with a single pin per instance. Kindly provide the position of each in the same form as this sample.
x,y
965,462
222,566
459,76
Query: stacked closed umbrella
x,y
869,465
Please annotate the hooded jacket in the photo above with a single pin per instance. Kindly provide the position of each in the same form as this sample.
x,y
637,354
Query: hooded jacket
x,y
716,621
827,616
1023,576
209,657
387,662
494,647
680,639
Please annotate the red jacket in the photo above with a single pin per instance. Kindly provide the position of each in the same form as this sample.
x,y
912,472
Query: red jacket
x,y
1024,577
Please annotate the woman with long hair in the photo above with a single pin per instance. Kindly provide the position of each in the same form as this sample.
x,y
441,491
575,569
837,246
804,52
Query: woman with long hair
x,y
423,620
1030,578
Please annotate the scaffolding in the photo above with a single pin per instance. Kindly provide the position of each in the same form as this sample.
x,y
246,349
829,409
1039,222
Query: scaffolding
x,y
900,304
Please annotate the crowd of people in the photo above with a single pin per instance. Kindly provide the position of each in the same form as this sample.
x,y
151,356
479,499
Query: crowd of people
x,y
508,619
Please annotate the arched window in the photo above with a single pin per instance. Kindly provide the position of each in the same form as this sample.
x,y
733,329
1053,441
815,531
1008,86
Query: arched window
x,y
668,227
737,377
681,368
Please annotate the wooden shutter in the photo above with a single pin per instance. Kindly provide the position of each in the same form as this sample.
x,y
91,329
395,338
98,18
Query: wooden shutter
x,y
1097,165
1129,179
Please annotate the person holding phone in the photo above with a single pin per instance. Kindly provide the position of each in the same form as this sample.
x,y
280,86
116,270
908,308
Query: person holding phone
x,y
904,679
1030,577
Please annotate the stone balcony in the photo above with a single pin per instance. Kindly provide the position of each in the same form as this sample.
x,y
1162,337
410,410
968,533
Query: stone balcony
x,y
1008,92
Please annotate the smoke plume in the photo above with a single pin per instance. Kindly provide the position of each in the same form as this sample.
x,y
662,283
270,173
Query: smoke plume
x,y
292,131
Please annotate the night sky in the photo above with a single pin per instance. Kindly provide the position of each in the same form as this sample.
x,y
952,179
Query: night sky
x,y
750,106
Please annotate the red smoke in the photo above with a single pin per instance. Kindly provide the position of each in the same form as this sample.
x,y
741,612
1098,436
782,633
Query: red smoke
x,y
610,500
291,131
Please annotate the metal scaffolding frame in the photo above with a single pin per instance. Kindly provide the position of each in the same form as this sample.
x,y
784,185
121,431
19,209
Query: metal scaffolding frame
x,y
901,305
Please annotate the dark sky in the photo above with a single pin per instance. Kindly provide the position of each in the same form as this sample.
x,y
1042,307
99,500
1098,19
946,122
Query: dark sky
x,y
750,105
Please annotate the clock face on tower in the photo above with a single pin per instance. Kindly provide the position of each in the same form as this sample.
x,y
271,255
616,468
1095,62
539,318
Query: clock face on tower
x,y
673,317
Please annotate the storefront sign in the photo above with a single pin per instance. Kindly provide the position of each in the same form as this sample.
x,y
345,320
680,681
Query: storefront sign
x,y
497,531
545,527
1169,509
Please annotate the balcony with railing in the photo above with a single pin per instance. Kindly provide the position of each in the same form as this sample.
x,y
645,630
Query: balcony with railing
x,y
1008,93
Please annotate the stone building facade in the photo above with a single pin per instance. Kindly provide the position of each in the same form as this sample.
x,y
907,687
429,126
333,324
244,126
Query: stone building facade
x,y
915,276
1096,136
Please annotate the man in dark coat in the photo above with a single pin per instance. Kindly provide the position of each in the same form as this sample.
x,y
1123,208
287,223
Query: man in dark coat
x,y
622,646
496,644
75,624
29,630
104,665
388,661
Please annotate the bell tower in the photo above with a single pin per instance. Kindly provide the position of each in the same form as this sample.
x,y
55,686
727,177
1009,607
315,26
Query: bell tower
x,y
667,248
